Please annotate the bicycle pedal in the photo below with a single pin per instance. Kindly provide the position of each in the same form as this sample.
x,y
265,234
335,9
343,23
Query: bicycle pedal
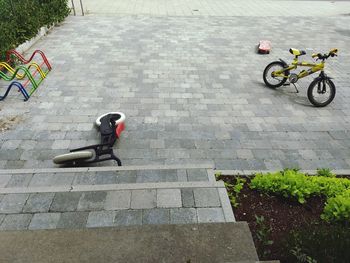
x,y
286,84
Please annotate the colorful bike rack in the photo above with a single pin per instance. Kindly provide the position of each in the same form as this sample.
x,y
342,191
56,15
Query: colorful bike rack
x,y
31,75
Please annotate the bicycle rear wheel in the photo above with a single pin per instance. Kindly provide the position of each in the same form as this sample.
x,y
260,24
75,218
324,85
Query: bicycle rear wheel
x,y
72,157
321,92
275,81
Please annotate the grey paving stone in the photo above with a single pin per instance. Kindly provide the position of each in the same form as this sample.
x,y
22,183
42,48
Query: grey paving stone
x,y
244,154
65,202
56,179
149,176
141,199
44,221
16,222
71,220
169,198
14,164
39,202
60,144
13,203
157,144
19,180
181,175
156,216
85,179
128,217
10,145
109,177
100,219
4,179
183,216
126,177
197,175
11,155
2,217
118,200
187,198
206,197
92,201
209,215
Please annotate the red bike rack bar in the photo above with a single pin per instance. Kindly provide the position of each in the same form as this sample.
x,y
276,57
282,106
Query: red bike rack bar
x,y
25,61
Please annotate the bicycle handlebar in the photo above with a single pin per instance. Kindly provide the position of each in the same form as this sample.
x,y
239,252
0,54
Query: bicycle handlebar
x,y
332,53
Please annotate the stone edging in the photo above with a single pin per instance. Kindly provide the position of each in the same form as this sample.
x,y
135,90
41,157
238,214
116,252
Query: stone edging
x,y
106,168
226,205
253,172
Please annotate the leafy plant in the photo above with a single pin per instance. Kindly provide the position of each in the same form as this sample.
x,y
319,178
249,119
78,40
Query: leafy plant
x,y
217,175
337,208
233,190
292,183
325,172
288,183
263,235
301,257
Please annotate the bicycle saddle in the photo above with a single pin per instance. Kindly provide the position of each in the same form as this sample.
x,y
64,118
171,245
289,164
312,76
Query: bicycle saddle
x,y
297,52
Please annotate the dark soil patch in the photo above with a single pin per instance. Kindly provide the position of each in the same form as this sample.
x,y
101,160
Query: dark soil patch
x,y
281,215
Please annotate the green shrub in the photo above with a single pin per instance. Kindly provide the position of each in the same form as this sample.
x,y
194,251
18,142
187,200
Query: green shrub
x,y
22,20
330,186
288,183
292,183
337,208
325,172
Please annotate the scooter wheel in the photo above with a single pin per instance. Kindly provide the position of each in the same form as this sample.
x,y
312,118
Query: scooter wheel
x,y
72,156
120,120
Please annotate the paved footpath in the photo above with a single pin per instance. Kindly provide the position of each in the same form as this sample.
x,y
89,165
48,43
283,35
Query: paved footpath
x,y
191,87
255,8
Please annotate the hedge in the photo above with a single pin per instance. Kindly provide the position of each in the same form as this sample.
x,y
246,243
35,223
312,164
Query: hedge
x,y
21,20
292,183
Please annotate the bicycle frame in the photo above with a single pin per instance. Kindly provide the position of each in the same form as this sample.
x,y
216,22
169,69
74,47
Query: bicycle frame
x,y
314,67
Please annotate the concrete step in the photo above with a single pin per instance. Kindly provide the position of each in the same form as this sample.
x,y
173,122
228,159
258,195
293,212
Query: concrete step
x,y
220,242
104,175
45,199
114,205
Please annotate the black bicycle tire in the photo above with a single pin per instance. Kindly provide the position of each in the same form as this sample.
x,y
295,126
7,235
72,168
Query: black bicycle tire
x,y
313,85
265,72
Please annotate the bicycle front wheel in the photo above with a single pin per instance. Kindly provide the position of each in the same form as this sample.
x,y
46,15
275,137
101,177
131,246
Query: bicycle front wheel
x,y
275,81
321,92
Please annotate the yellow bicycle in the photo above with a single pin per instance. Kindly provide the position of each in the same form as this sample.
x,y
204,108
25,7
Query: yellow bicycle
x,y
321,91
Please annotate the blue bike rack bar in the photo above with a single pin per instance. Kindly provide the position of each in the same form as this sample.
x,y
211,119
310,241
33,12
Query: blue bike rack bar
x,y
20,88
